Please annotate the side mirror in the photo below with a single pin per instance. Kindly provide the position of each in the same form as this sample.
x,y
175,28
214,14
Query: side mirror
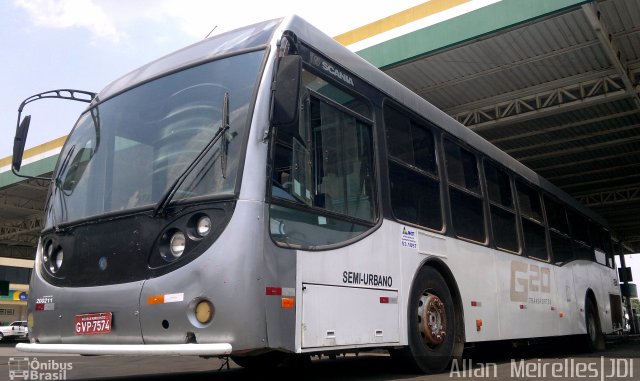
x,y
19,142
286,91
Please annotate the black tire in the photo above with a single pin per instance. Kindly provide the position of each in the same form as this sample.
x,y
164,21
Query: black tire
x,y
262,361
431,346
594,338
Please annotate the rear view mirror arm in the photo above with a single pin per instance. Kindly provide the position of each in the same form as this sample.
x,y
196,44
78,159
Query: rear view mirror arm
x,y
22,128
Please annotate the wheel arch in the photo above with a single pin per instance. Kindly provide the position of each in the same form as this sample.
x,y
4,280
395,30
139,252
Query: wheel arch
x,y
439,265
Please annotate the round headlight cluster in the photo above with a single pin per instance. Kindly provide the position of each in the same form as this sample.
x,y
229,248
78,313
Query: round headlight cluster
x,y
176,240
53,257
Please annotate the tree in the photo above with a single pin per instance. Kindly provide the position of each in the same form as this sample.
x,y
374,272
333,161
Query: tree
x,y
635,304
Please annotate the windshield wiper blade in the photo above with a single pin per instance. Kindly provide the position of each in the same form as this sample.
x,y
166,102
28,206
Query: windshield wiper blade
x,y
167,196
225,139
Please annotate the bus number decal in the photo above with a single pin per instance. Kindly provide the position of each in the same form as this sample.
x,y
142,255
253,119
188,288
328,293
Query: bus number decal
x,y
530,283
408,239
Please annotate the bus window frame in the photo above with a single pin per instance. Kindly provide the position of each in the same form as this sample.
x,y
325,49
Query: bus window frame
x,y
514,205
387,158
482,195
305,95
552,230
522,216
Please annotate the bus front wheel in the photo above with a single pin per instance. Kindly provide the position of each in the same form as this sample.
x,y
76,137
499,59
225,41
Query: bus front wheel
x,y
263,361
432,326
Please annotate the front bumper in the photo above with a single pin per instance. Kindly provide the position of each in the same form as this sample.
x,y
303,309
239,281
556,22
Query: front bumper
x,y
218,349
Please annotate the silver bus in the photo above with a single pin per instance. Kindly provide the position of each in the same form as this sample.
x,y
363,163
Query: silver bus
x,y
267,192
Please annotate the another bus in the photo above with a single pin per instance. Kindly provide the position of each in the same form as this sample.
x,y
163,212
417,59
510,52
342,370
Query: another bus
x,y
267,192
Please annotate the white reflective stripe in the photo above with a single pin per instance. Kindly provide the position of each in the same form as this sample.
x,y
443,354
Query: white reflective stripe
x,y
172,298
130,349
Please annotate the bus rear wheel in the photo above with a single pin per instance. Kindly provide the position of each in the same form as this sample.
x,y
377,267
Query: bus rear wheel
x,y
594,337
432,328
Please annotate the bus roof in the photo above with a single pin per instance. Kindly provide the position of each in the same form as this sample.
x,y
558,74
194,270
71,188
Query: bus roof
x,y
246,38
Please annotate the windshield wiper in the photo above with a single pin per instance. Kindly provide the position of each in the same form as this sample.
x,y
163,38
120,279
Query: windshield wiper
x,y
167,196
225,139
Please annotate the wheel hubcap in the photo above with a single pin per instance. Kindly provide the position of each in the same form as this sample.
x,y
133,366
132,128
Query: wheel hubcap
x,y
432,320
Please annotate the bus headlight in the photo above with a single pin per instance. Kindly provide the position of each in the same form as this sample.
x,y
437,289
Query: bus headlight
x,y
177,244
55,260
47,252
203,226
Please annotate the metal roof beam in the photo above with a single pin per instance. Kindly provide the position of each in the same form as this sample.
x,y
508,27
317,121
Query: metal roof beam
x,y
555,142
532,90
21,204
11,229
21,241
25,252
609,46
538,105
591,172
546,130
32,184
587,161
607,180
615,196
584,148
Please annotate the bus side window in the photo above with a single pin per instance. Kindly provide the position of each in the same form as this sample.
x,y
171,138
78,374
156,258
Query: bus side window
x,y
413,175
467,211
558,231
601,244
579,226
502,210
535,241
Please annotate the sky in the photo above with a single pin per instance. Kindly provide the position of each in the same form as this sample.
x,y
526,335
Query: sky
x,y
86,44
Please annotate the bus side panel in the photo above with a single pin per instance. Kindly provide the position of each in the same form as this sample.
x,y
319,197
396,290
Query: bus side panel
x,y
566,313
369,264
474,269
609,286
529,298
280,273
337,316
582,275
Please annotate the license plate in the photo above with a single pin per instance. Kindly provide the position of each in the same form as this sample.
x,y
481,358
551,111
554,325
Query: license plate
x,y
93,324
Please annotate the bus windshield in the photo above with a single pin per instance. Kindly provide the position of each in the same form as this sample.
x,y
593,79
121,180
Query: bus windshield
x,y
127,151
